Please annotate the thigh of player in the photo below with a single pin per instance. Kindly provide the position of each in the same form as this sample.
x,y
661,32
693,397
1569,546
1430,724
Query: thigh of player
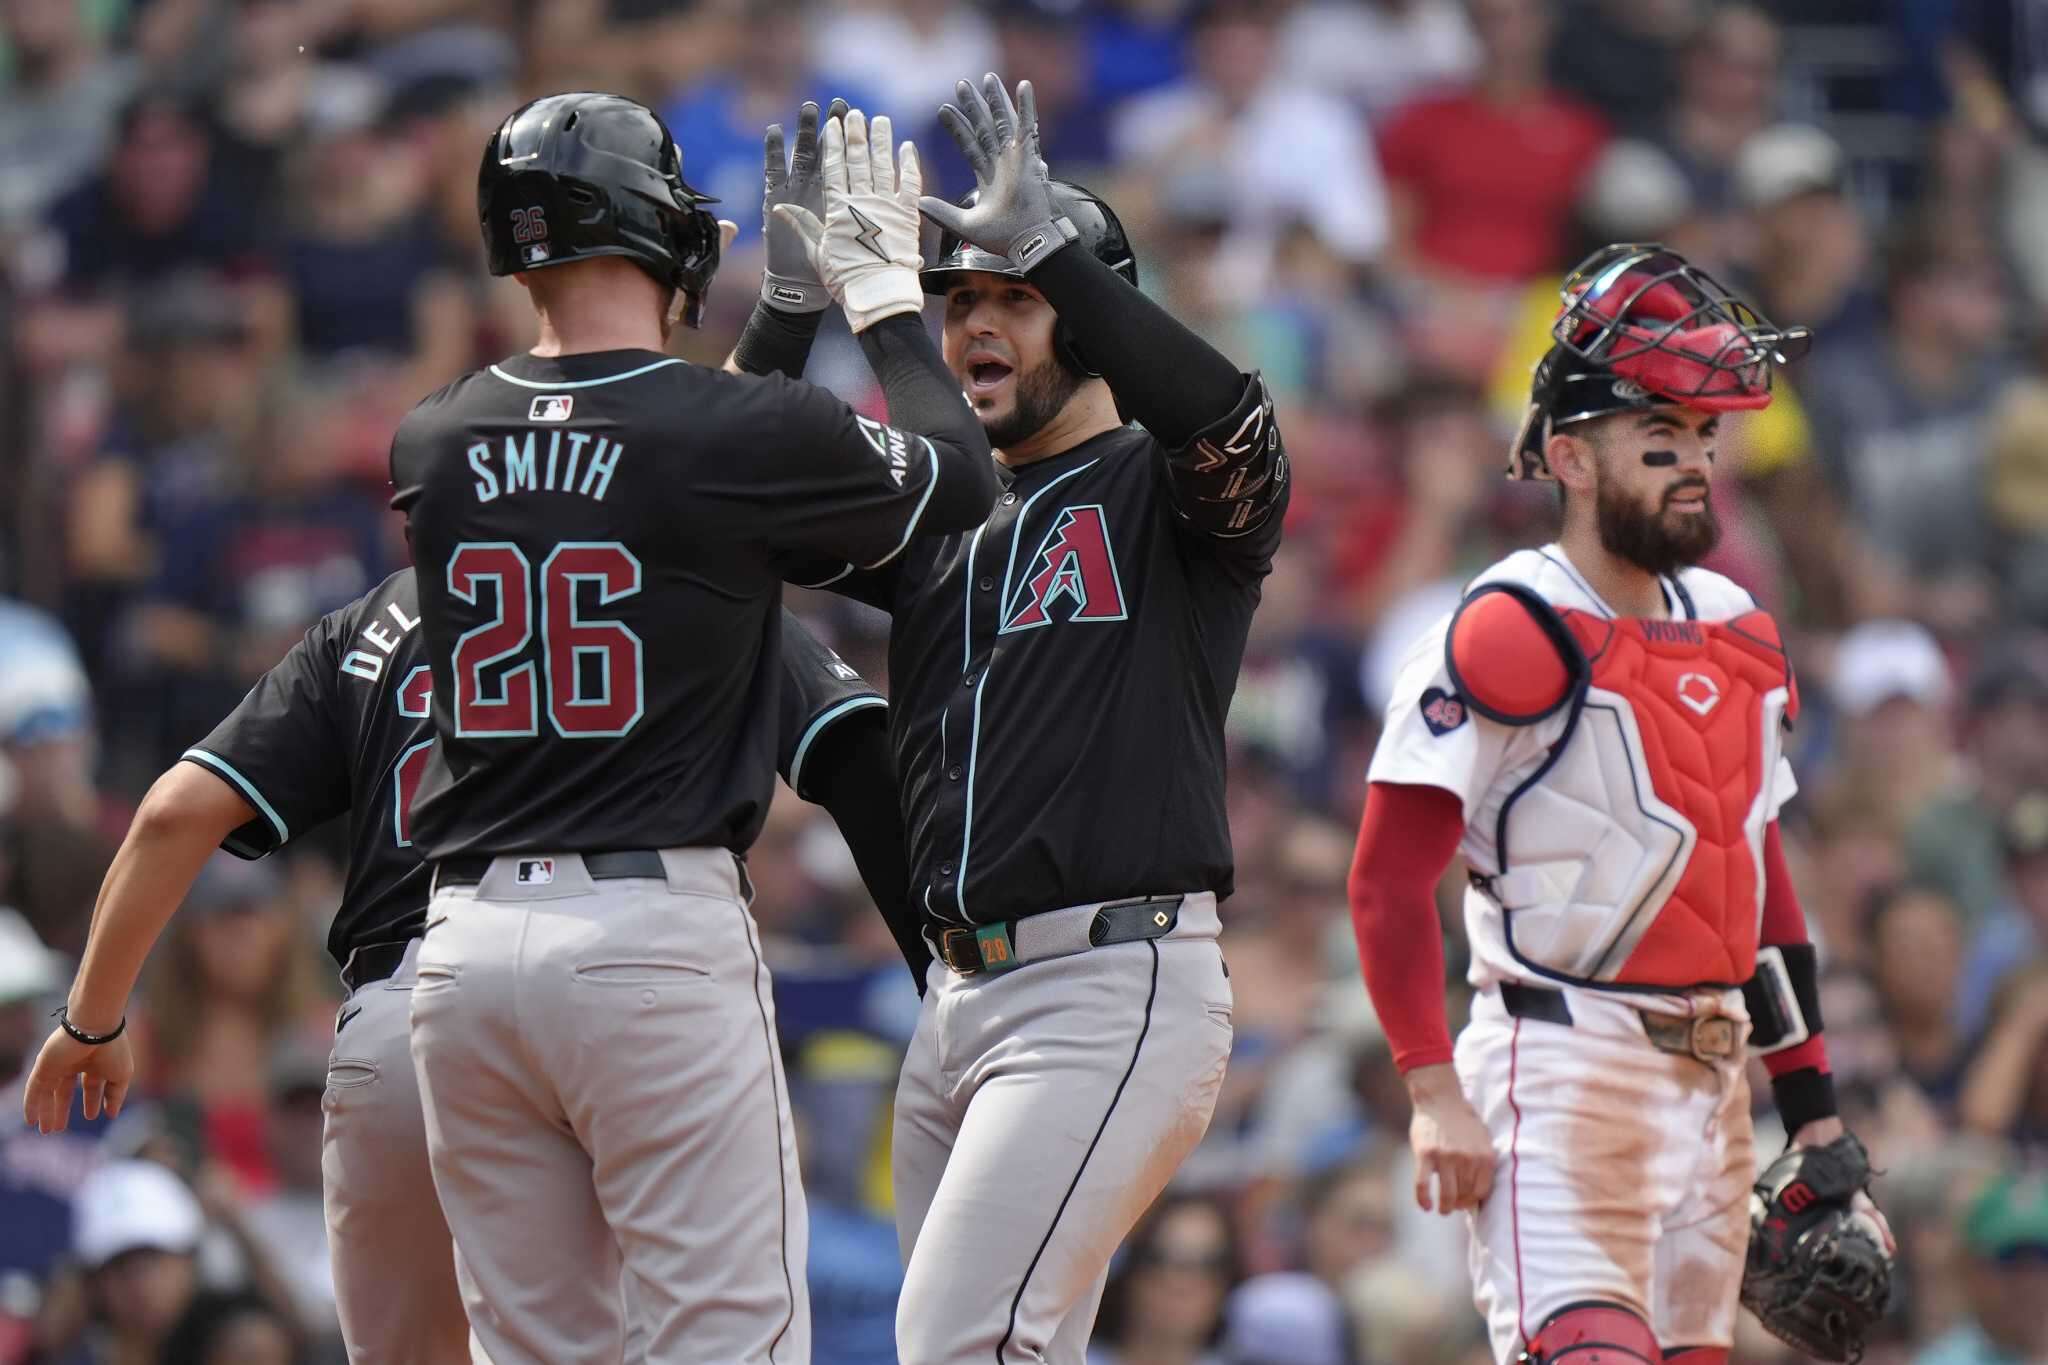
x,y
1701,1255
539,1269
394,1264
662,1044
1586,1169
1090,1079
926,1123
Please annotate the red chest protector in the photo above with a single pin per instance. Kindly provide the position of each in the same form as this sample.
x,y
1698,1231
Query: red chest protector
x,y
1704,704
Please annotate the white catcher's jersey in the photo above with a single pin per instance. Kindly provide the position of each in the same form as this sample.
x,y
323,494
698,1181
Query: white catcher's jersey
x,y
1595,851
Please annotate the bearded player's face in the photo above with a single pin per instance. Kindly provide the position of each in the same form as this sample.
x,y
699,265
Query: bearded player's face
x,y
1653,494
998,344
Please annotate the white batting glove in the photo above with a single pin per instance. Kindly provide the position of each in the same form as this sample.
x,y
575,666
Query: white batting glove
x,y
866,250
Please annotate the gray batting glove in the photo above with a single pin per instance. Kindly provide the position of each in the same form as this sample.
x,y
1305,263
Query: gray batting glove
x,y
1013,215
865,248
791,282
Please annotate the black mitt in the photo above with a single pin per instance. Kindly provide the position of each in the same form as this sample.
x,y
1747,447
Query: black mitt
x,y
1818,1275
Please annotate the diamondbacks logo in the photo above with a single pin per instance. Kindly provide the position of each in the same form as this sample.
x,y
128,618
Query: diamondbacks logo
x,y
1442,711
551,407
1073,562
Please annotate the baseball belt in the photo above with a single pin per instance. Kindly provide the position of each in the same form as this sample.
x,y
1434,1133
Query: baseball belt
x,y
369,963
637,862
991,948
1706,1038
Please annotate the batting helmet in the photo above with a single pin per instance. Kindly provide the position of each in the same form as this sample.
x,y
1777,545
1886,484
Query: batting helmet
x,y
1642,327
570,177
1101,235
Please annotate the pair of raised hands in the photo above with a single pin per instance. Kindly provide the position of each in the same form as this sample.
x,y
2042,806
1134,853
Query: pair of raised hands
x,y
841,213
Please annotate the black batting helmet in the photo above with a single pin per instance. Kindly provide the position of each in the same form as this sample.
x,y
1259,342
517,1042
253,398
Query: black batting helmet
x,y
1642,327
1101,235
569,177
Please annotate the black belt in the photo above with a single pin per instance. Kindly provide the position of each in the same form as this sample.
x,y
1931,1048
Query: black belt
x,y
1706,1037
634,862
1123,922
373,962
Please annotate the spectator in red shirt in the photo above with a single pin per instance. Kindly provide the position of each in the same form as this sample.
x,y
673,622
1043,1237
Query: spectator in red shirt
x,y
1483,180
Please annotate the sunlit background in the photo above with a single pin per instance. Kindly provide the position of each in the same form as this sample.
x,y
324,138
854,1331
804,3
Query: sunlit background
x,y
240,240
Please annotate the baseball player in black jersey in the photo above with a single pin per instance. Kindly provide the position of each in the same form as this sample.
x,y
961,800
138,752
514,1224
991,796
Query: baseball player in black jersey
x,y
340,726
1059,678
601,533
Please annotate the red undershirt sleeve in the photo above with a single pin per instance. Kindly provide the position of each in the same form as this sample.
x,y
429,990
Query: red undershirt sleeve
x,y
1408,836
1785,922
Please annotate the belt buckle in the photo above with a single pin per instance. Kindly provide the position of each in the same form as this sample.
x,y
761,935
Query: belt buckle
x,y
1712,1037
958,951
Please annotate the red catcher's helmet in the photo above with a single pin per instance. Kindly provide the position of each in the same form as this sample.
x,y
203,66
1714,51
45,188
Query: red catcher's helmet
x,y
1642,327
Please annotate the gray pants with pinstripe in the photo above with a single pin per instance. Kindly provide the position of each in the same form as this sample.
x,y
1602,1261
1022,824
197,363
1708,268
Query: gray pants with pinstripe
x,y
605,1104
1039,1113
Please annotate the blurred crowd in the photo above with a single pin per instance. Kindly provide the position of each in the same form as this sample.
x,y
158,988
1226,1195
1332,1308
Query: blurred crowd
x,y
238,239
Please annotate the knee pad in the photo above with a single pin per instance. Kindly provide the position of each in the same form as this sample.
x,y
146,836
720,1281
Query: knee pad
x,y
1593,1333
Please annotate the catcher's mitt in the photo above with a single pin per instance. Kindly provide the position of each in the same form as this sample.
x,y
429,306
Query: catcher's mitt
x,y
1818,1275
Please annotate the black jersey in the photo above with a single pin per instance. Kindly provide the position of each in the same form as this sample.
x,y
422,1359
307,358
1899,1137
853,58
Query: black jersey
x,y
338,727
601,540
341,726
1060,676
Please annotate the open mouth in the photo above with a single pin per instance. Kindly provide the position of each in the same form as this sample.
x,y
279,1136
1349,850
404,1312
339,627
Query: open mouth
x,y
985,376
1688,499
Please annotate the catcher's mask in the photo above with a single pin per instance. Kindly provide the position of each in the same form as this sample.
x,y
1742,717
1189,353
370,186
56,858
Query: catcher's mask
x,y
1642,327
568,177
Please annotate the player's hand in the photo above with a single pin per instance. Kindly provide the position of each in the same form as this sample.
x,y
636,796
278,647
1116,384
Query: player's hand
x,y
866,247
791,282
1819,1133
105,1070
1013,213
1451,1143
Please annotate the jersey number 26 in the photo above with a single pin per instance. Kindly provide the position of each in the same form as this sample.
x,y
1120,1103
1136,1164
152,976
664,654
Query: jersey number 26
x,y
592,668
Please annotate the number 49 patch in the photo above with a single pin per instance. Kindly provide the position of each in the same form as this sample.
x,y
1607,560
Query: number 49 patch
x,y
1442,711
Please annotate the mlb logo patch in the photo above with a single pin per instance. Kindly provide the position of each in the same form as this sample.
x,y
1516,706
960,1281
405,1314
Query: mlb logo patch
x,y
551,407
535,872
1442,711
535,254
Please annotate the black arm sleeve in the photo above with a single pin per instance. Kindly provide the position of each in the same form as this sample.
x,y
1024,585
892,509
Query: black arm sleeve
x,y
855,780
776,342
1167,379
925,397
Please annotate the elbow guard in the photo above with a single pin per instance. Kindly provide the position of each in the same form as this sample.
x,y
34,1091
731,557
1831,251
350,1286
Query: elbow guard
x,y
1227,480
1783,998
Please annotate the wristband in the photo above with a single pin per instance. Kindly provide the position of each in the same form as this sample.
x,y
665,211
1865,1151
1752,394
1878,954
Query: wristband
x,y
1803,1096
776,341
1034,244
793,295
62,1014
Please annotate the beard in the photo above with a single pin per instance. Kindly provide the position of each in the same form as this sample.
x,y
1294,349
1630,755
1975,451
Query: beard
x,y
1655,541
1041,392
